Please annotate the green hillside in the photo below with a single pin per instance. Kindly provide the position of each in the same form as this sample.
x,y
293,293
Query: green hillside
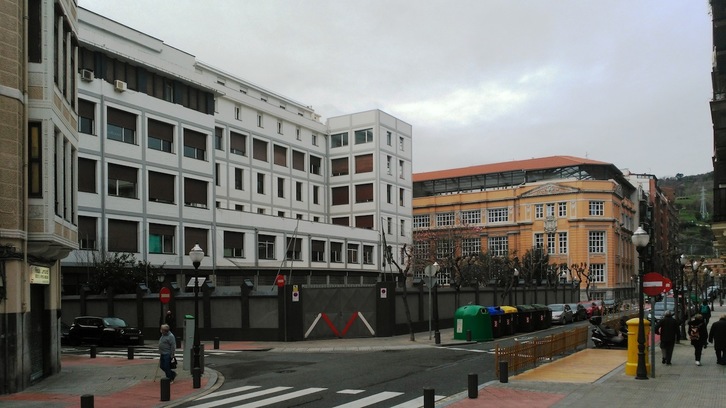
x,y
695,237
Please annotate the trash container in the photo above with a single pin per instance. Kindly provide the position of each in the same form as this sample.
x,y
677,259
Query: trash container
x,y
525,318
497,315
542,316
472,318
510,320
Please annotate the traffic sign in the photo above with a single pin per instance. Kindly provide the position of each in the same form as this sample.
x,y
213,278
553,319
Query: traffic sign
x,y
652,283
280,281
164,295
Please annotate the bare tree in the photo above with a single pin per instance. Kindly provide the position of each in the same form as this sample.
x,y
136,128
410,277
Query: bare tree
x,y
403,273
582,271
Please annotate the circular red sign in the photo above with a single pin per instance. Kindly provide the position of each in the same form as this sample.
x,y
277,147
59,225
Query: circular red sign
x,y
652,284
280,281
164,295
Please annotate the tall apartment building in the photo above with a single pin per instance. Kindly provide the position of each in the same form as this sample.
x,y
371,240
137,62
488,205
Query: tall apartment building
x,y
718,117
576,210
38,150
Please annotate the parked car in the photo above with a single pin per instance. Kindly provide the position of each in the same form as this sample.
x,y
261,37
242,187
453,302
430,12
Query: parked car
x,y
611,305
561,313
593,307
105,331
579,311
659,308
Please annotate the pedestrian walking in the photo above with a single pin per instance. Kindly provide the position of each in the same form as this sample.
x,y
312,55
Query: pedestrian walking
x,y
667,328
169,320
717,336
705,311
698,334
167,345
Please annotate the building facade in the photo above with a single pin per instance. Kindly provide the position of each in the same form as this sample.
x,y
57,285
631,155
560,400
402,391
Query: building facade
x,y
718,118
578,211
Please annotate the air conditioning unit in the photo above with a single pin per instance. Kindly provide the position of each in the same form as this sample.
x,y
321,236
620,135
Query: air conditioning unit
x,y
87,75
119,86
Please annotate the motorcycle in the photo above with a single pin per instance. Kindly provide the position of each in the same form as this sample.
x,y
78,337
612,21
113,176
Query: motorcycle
x,y
604,336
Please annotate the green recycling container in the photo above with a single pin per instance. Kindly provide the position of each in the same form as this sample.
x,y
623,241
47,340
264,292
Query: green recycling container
x,y
475,319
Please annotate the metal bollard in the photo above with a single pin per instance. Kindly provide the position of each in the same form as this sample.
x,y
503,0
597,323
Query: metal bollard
x,y
93,351
503,372
473,386
428,398
130,353
216,343
196,377
87,401
468,335
165,389
437,337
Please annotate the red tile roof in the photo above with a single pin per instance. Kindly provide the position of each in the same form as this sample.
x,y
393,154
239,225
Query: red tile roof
x,y
529,164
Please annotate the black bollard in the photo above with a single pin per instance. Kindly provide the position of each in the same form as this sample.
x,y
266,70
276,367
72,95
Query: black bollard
x,y
130,353
437,337
165,389
503,372
196,377
216,343
87,401
473,386
428,398
93,351
468,335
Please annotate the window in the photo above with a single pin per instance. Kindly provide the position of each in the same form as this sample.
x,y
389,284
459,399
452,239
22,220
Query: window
x,y
260,183
195,193
317,251
298,191
389,225
444,248
279,127
550,243
238,143
121,126
597,208
280,155
388,138
597,273
563,242
363,136
86,117
400,169
470,217
266,247
539,240
281,187
298,160
336,252
389,193
421,221
238,113
340,195
539,211
446,219
160,136
35,167
401,197
314,139
364,221
259,150
161,187
364,163
498,215
499,246
353,253
86,175
298,134
316,194
122,236
389,161
195,145
339,140
194,236
161,239
239,179
339,167
470,246
344,221
363,193
562,209
550,209
234,244
259,120
402,228
368,254
400,143
596,242
87,232
294,249
315,164
239,207
122,181
217,174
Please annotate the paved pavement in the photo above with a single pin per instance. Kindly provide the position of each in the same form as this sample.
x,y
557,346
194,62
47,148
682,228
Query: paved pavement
x,y
588,378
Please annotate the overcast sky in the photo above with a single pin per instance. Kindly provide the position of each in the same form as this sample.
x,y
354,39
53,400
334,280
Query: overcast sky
x,y
482,81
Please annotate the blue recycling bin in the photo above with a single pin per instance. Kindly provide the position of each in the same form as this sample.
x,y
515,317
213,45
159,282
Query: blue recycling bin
x,y
497,315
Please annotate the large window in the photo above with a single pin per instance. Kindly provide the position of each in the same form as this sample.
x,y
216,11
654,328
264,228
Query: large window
x,y
298,160
195,193
499,246
363,136
364,163
471,217
444,248
161,239
446,219
597,273
161,136
339,140
35,157
86,175
266,247
219,138
316,194
86,117
421,221
239,179
121,126
596,242
470,246
259,150
539,240
562,209
336,252
281,187
364,221
237,143
122,181
260,183
340,195
315,164
234,244
194,236
551,243
280,155
353,253
495,215
597,208
363,193
87,232
195,145
123,236
368,254
563,242
294,249
317,251
339,167
539,211
161,187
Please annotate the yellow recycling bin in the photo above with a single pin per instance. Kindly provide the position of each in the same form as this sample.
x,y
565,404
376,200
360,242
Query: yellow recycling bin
x,y
631,367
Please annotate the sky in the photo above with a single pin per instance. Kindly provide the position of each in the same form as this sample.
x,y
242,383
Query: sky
x,y
481,81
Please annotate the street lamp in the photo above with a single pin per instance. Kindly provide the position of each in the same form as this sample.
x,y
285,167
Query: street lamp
x,y
684,309
437,334
640,240
196,255
516,283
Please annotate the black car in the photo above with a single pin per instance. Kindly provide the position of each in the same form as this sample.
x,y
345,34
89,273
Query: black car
x,y
105,331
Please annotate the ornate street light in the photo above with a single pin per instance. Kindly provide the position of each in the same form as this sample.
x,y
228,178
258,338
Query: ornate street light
x,y
196,255
640,240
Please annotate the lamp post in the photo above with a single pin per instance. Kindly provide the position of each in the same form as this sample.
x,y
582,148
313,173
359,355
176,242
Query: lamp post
x,y
640,239
437,334
196,255
516,283
563,281
683,261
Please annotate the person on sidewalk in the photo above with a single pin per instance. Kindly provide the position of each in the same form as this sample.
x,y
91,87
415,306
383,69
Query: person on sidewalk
x,y
698,334
667,328
717,336
169,320
705,311
167,345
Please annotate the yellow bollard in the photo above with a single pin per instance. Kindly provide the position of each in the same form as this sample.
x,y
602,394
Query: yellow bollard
x,y
631,367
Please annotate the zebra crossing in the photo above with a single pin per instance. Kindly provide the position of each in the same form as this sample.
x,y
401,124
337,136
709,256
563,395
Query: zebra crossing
x,y
253,396
149,353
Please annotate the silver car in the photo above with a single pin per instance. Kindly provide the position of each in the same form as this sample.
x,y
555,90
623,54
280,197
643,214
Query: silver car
x,y
561,313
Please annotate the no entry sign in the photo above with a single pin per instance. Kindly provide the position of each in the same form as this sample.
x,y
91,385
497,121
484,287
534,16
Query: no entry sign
x,y
652,284
164,295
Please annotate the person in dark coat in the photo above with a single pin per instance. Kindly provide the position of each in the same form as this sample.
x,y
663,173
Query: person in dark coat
x,y
717,336
667,328
698,334
169,320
